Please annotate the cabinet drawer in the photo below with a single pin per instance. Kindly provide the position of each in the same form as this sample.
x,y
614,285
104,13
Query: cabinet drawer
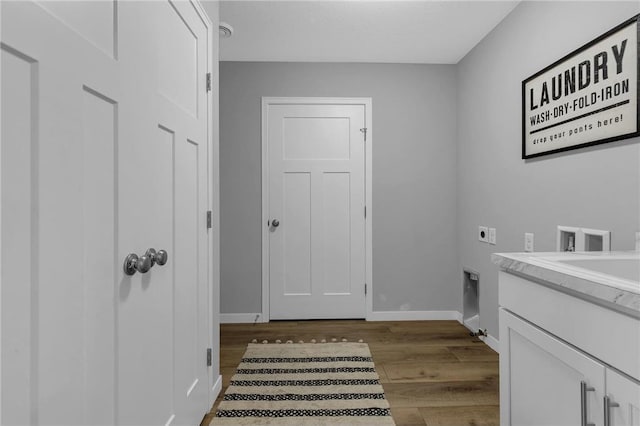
x,y
610,336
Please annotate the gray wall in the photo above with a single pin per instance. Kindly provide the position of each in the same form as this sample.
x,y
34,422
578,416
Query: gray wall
x,y
595,187
414,176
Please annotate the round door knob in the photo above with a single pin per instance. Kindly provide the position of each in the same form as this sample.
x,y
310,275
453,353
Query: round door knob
x,y
143,264
275,223
152,255
130,264
161,257
133,263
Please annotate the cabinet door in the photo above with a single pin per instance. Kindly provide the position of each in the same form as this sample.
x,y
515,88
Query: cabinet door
x,y
624,392
541,378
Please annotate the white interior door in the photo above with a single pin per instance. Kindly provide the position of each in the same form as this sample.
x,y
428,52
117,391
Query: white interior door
x,y
164,175
316,209
104,153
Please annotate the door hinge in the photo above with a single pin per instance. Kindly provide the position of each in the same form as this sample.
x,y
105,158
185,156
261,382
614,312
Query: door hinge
x,y
208,357
365,289
364,130
209,219
365,212
208,82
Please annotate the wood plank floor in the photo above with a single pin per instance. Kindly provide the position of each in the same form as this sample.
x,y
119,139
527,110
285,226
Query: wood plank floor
x,y
433,373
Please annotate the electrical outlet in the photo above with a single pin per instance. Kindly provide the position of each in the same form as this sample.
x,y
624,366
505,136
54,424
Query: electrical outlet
x,y
483,234
528,241
492,236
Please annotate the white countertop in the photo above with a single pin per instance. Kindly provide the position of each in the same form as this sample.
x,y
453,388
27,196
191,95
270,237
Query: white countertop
x,y
555,269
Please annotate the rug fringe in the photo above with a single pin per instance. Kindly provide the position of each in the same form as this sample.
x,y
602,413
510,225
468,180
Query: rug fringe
x,y
333,340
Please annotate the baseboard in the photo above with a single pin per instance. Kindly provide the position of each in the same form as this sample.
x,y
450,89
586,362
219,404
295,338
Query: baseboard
x,y
249,318
243,318
488,340
216,389
492,342
414,315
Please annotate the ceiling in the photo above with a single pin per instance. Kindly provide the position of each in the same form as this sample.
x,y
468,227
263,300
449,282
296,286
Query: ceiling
x,y
418,31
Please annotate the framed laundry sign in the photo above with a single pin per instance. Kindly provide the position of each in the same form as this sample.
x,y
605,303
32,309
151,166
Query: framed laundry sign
x,y
588,97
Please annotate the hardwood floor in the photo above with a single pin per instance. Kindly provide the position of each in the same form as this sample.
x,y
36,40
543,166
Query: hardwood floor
x,y
433,373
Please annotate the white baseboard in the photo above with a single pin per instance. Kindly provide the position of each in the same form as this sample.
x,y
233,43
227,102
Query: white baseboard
x,y
414,315
492,342
216,389
248,318
243,318
488,340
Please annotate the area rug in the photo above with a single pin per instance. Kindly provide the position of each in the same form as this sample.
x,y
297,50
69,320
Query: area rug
x,y
305,384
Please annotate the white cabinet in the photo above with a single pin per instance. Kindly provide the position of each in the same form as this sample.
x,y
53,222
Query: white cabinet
x,y
623,399
548,378
543,380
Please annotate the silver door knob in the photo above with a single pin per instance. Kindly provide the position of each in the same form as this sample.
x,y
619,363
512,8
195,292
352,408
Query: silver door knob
x,y
275,223
152,255
133,263
160,257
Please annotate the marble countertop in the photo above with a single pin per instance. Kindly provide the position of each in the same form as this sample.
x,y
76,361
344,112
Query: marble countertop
x,y
616,292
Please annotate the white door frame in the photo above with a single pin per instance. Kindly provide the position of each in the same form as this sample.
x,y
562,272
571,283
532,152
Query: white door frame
x,y
213,205
268,101
213,194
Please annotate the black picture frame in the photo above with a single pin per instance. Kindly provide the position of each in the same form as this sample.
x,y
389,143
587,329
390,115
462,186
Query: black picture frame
x,y
556,110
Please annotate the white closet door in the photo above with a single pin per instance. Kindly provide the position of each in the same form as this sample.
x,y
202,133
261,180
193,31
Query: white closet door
x,y
104,153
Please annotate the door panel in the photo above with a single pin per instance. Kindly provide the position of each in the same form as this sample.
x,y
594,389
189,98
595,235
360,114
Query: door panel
x,y
99,207
297,234
336,240
179,43
316,165
97,24
189,346
19,231
324,138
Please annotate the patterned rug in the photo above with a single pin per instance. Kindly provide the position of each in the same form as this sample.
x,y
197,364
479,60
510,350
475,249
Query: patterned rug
x,y
305,384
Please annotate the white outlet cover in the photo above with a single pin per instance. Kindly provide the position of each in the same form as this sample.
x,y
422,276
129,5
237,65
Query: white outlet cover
x,y
492,236
483,234
528,241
